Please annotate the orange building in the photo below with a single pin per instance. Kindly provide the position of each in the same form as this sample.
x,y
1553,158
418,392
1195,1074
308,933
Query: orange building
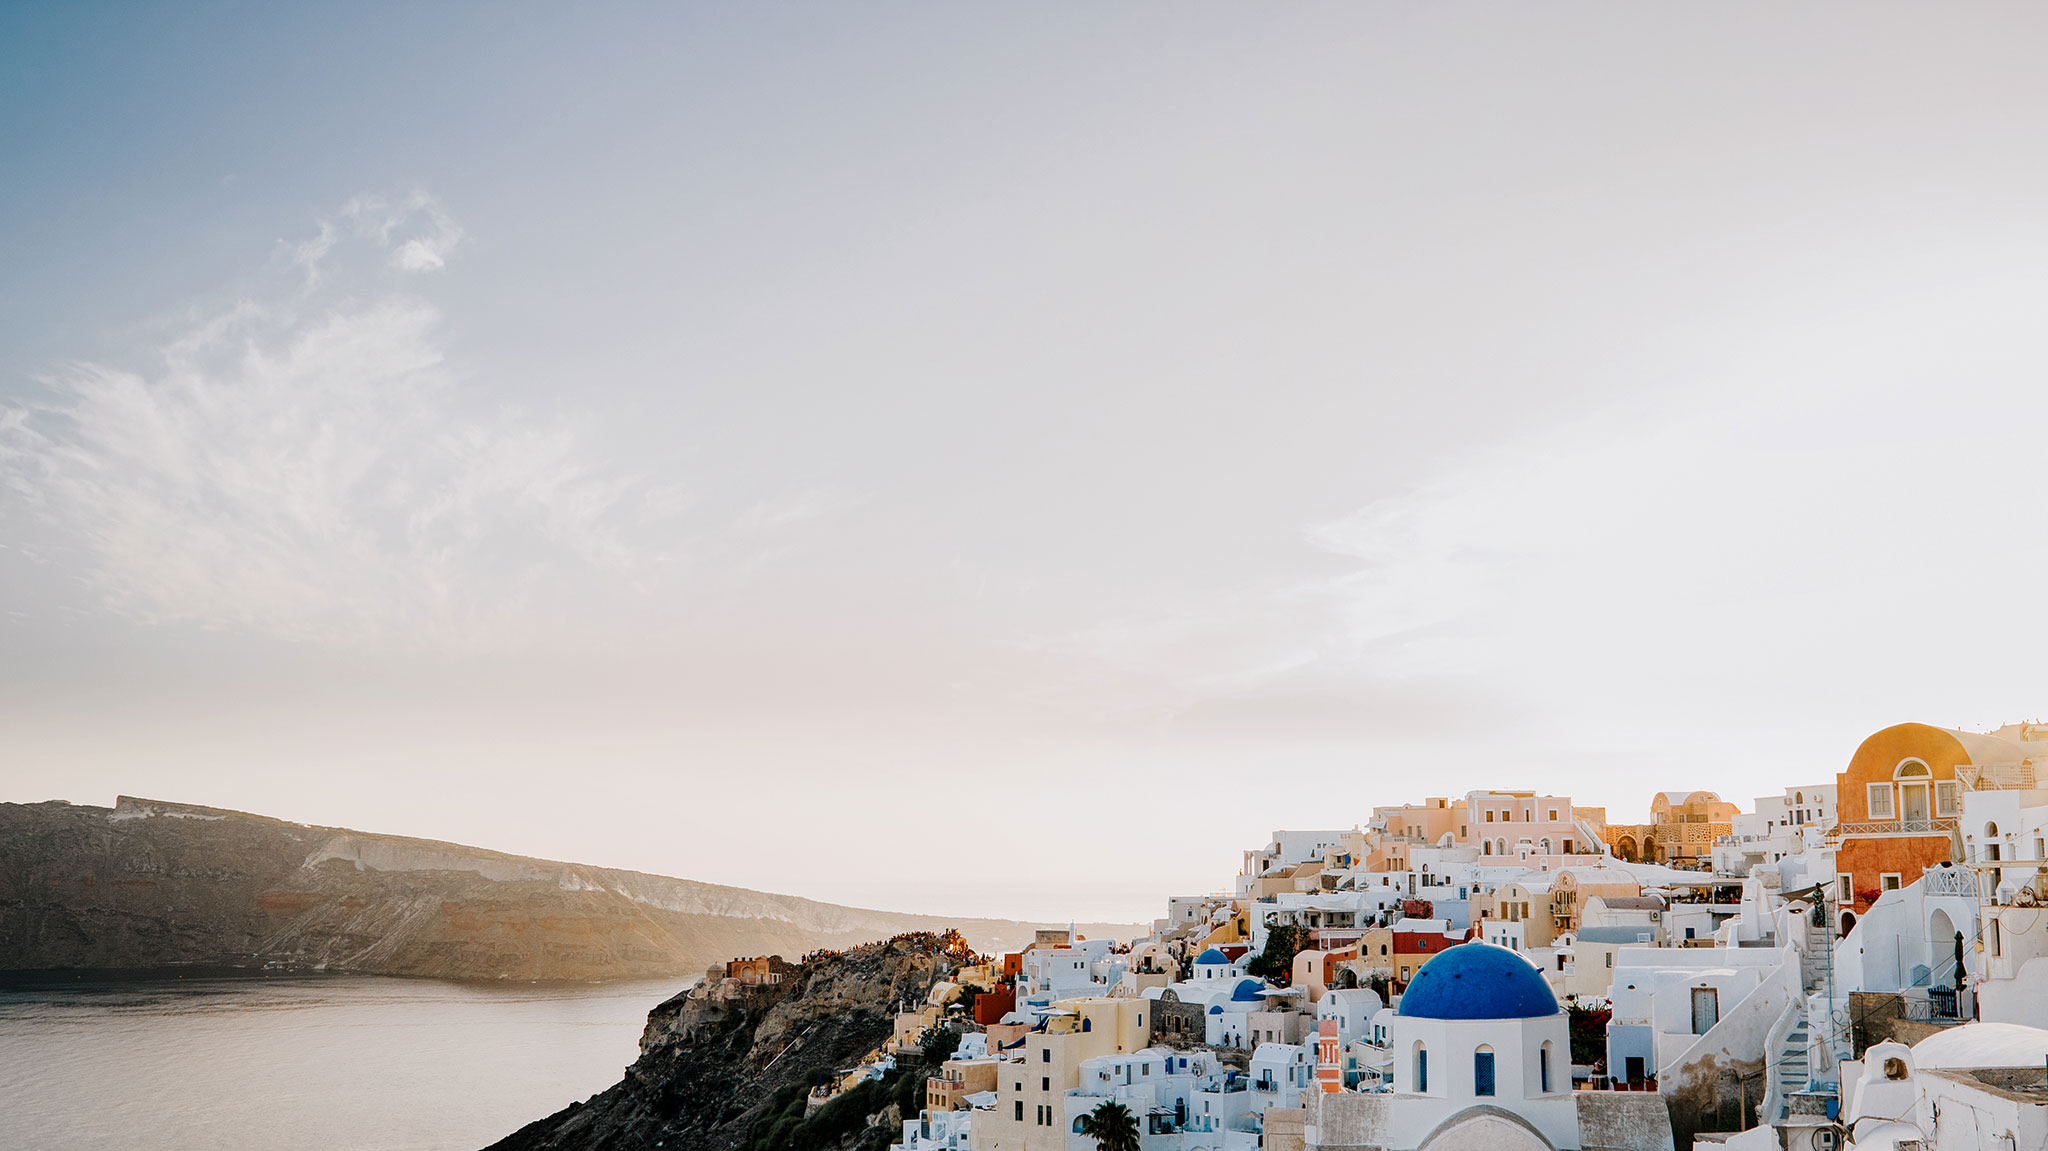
x,y
990,1006
1898,803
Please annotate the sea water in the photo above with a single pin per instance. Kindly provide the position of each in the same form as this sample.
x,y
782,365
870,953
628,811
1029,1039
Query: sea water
x,y
319,1063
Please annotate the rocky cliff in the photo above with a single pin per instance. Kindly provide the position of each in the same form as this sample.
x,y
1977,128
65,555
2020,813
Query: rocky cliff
x,y
726,1068
151,884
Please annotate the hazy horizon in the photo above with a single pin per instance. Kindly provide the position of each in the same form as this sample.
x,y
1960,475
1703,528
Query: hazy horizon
x,y
1005,463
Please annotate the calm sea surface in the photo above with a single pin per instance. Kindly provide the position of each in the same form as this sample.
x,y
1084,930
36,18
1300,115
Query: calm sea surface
x,y
319,1063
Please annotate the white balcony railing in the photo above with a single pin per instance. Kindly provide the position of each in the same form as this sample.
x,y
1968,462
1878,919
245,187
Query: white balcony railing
x,y
1898,827
1950,881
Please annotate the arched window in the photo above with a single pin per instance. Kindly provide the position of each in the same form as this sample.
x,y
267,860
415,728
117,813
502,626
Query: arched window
x,y
1911,769
1798,797
1543,1068
1500,847
1482,1071
1421,1069
1087,1024
1077,1123
1545,845
1990,830
1485,848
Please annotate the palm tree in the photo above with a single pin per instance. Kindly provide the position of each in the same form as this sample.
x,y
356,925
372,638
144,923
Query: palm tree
x,y
1112,1126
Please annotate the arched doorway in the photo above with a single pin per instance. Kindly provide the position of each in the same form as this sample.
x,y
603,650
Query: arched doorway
x,y
1941,948
1625,848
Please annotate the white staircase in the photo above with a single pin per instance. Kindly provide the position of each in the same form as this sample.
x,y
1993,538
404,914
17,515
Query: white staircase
x,y
1789,1071
1818,954
1790,1044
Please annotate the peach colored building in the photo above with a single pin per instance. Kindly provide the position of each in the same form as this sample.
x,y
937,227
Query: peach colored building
x,y
956,1080
1512,824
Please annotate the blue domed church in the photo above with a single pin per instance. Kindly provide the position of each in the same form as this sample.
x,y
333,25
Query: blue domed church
x,y
1482,1062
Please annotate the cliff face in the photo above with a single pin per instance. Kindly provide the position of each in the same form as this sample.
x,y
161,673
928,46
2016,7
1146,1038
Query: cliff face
x,y
151,884
724,1069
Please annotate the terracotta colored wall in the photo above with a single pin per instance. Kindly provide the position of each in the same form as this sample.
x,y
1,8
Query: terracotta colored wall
x,y
1868,858
991,1006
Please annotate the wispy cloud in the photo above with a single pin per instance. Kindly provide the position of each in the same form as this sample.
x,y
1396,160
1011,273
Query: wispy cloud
x,y
413,232
300,467
1746,543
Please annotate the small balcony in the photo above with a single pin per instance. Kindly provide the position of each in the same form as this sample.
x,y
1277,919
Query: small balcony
x,y
1892,827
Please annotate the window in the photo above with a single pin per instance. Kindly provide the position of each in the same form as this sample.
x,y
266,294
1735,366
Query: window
x,y
1489,817
1045,1055
1846,890
1421,1069
1911,769
1553,815
1020,1111
1891,881
1045,1083
1992,923
1543,1069
1947,799
1482,1071
1610,959
1881,801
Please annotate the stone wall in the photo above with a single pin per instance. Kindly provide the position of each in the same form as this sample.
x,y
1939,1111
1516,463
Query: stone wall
x,y
1174,1023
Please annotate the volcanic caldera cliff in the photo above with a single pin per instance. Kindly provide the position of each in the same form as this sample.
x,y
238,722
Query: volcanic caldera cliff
x,y
726,1068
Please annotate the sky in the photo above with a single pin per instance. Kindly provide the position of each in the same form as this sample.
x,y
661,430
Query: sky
x,y
1006,461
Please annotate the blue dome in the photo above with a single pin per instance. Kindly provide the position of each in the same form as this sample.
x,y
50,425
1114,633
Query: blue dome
x,y
1478,981
1212,956
1248,991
